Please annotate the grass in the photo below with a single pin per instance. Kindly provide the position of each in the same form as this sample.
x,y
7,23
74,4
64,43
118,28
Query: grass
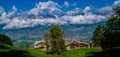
x,y
82,52
10,51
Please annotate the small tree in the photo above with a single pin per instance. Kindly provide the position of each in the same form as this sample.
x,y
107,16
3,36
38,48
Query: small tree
x,y
55,39
5,39
98,35
27,46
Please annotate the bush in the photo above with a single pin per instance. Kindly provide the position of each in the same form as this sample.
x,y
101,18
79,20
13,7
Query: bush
x,y
5,39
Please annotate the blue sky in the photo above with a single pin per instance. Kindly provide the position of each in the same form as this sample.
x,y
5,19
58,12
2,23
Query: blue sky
x,y
30,13
29,4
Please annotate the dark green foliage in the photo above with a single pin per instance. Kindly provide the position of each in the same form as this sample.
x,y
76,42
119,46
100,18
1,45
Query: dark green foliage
x,y
55,39
3,46
108,53
98,35
117,11
5,39
15,53
108,37
112,32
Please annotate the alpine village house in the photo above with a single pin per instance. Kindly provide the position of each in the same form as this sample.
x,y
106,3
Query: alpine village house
x,y
70,44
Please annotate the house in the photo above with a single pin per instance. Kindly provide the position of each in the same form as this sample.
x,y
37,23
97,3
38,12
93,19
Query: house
x,y
70,44
40,45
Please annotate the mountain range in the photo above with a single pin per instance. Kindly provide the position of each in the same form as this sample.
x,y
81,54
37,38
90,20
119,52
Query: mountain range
x,y
23,36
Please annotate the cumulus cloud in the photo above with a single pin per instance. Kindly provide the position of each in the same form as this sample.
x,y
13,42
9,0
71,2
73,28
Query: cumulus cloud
x,y
66,4
66,19
22,23
1,10
35,17
87,9
73,12
116,3
49,7
3,16
12,13
4,21
105,10
108,10
2,13
84,19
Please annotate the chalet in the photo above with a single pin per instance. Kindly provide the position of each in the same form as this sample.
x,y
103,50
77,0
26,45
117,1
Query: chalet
x,y
70,44
40,45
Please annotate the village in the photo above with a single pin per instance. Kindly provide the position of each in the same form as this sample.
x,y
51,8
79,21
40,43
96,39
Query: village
x,y
69,44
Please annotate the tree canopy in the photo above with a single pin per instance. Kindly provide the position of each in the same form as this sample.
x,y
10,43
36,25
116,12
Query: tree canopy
x,y
112,32
108,36
5,39
98,35
55,38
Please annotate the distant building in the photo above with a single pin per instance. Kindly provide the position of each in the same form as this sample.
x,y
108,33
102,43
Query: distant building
x,y
40,45
70,44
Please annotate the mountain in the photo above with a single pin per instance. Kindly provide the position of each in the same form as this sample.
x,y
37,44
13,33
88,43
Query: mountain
x,y
23,36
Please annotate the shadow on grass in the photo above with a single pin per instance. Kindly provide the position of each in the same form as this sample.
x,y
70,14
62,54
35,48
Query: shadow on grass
x,y
7,51
15,53
3,47
110,53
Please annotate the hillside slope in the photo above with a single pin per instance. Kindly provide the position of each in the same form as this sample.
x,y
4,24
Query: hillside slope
x,y
23,36
10,51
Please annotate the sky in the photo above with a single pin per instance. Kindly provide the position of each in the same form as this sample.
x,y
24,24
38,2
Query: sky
x,y
29,13
29,4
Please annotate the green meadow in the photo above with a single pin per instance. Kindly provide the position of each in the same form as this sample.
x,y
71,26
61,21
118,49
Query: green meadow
x,y
10,51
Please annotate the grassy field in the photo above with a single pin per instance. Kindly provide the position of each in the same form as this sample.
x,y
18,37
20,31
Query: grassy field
x,y
10,51
82,52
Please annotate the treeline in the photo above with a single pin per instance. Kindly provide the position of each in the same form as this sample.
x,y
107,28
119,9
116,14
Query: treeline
x,y
108,36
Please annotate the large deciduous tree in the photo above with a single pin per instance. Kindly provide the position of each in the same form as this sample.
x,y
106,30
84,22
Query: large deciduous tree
x,y
55,40
112,32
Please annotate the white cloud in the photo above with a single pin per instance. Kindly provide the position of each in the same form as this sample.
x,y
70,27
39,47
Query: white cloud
x,y
1,10
73,12
116,3
4,21
12,13
87,9
49,7
3,14
66,19
84,19
22,23
23,20
14,8
66,4
18,23
105,10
